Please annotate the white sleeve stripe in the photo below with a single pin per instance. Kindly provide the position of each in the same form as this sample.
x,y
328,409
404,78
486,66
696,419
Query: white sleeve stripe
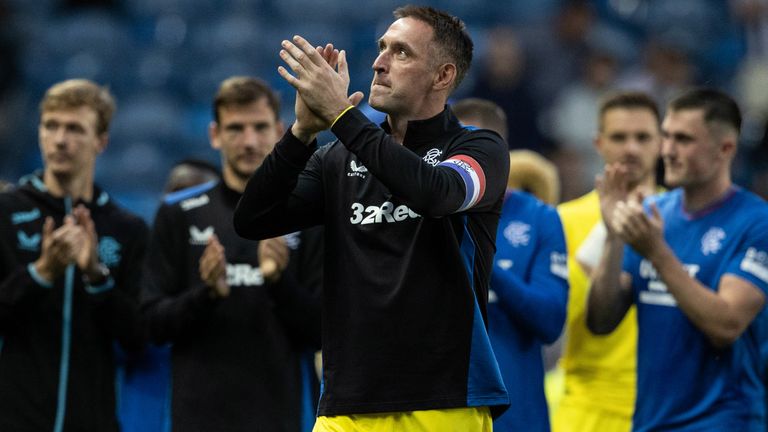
x,y
754,268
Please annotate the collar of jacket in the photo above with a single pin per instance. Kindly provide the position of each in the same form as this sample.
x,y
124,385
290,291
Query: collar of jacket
x,y
420,133
33,185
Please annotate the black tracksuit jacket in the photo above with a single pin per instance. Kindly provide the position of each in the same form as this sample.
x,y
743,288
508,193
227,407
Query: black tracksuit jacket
x,y
410,236
239,363
57,358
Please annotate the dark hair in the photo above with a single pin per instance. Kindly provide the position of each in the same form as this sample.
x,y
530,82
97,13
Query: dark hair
x,y
201,164
490,115
190,172
450,34
628,100
76,93
242,90
718,107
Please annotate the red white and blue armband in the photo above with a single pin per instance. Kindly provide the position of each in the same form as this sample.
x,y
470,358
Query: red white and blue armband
x,y
472,174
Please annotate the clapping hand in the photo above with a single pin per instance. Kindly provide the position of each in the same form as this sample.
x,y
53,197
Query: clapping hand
x,y
321,79
213,268
74,242
643,232
612,187
273,258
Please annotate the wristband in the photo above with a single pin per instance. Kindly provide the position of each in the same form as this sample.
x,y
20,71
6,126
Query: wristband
x,y
342,113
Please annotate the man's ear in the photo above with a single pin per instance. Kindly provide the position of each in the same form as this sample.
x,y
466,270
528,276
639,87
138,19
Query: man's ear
x,y
213,134
598,144
445,77
728,146
103,142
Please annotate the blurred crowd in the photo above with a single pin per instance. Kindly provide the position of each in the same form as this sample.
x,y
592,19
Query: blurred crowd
x,y
547,63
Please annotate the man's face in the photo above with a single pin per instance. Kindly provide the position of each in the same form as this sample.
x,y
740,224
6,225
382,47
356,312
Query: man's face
x,y
404,69
630,136
245,135
69,142
689,149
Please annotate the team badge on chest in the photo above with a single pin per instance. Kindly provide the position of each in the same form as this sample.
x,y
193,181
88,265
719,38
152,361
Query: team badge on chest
x,y
712,241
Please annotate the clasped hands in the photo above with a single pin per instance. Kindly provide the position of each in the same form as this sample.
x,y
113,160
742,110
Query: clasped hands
x,y
623,213
74,242
273,255
320,76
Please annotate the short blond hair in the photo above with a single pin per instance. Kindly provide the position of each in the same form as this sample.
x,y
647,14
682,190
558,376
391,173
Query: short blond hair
x,y
531,172
76,93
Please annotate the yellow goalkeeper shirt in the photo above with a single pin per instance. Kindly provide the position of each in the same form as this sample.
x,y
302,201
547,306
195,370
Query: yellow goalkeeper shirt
x,y
599,370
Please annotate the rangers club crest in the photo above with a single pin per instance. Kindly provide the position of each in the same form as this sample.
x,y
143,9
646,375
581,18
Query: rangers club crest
x,y
433,156
712,241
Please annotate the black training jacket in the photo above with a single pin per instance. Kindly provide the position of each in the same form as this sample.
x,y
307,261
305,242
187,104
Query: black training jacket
x,y
410,235
242,363
57,360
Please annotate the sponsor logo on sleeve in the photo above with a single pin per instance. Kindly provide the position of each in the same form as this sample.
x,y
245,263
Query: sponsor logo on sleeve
x,y
558,264
755,262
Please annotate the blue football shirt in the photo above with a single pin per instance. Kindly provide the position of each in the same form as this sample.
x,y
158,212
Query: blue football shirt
x,y
526,305
684,383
